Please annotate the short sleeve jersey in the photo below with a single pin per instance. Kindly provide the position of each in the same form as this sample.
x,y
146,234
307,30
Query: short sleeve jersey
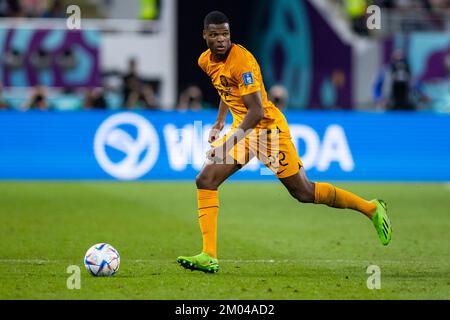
x,y
237,76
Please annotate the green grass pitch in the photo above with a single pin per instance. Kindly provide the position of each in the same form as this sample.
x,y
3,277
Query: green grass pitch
x,y
270,246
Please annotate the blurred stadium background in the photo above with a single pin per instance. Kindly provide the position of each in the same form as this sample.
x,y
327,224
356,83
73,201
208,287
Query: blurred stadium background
x,y
122,98
320,51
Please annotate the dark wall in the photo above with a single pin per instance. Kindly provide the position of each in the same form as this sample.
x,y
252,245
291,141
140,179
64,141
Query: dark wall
x,y
292,42
191,44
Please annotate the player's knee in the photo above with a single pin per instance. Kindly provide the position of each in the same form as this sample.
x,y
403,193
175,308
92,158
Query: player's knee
x,y
201,181
303,193
204,181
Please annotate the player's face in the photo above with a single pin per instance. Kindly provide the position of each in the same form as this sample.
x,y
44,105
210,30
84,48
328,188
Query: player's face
x,y
218,39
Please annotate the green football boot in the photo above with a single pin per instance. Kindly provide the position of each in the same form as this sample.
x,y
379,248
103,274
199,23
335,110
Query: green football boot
x,y
381,222
202,262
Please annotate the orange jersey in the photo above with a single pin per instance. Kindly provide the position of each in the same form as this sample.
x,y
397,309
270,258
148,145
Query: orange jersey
x,y
237,76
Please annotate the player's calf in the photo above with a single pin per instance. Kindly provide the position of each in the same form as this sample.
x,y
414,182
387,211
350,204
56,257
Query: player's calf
x,y
299,187
304,195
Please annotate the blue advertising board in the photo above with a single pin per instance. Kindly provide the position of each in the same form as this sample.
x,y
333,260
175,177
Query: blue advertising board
x,y
163,145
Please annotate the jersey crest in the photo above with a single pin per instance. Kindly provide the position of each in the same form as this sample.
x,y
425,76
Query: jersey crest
x,y
248,78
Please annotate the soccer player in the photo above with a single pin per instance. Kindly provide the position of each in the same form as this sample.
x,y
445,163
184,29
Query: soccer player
x,y
237,77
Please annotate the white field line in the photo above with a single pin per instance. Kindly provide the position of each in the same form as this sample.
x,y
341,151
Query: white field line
x,y
28,261
259,261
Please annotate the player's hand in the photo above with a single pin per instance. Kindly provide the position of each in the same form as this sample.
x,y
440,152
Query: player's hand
x,y
215,131
214,154
219,154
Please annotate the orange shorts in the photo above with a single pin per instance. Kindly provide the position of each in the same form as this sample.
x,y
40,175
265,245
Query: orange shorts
x,y
273,148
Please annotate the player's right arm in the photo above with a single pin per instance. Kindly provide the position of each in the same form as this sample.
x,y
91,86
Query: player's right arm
x,y
220,122
223,108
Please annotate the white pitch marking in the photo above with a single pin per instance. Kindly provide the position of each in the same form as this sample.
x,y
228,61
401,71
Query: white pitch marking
x,y
262,261
28,261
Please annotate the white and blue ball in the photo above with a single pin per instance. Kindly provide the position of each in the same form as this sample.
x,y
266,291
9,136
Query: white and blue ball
x,y
102,260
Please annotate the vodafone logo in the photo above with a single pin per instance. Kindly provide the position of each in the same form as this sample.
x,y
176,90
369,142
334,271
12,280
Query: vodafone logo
x,y
126,146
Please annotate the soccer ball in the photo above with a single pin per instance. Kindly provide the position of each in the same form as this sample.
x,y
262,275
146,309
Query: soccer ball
x,y
102,260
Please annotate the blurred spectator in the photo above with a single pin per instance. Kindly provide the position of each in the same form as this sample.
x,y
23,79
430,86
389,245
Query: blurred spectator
x,y
131,84
56,10
393,86
400,83
41,59
135,92
405,4
439,4
388,4
191,99
12,8
3,8
338,79
34,8
148,97
13,59
415,15
149,9
68,100
3,104
356,11
279,96
95,99
67,59
143,98
37,100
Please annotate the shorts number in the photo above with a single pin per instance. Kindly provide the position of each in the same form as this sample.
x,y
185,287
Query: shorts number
x,y
282,158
